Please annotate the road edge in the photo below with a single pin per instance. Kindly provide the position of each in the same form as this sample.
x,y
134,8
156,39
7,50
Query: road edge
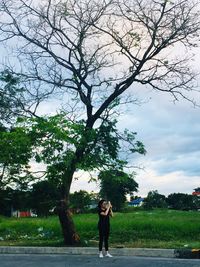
x,y
143,252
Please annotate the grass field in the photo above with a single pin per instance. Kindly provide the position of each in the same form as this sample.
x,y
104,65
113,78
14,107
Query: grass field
x,y
153,229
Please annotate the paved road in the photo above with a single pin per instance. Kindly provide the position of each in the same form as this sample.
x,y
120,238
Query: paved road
x,y
9,260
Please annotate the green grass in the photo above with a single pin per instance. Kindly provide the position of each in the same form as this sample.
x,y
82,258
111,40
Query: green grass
x,y
155,229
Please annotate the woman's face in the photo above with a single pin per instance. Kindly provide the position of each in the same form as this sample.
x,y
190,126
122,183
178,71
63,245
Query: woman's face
x,y
104,205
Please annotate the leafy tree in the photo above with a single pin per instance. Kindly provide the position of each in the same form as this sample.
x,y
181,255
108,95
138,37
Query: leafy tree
x,y
43,197
5,202
10,96
15,147
91,53
181,201
80,200
55,141
115,185
155,200
14,199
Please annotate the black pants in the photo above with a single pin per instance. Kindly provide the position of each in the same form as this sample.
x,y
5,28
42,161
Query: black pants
x,y
103,237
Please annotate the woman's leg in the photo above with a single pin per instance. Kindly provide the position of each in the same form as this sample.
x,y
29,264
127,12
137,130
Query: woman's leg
x,y
106,236
100,240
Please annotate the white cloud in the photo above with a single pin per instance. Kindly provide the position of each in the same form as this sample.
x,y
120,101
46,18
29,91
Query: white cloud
x,y
171,134
81,182
174,182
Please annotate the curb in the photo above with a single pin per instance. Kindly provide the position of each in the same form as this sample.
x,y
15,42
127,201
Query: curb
x,y
187,253
142,252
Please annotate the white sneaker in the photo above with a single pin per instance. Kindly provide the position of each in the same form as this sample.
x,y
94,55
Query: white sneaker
x,y
108,255
100,254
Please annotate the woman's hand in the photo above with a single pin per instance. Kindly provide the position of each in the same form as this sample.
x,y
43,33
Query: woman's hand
x,y
111,212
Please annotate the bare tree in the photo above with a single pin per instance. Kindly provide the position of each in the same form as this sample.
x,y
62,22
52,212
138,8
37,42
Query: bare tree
x,y
95,52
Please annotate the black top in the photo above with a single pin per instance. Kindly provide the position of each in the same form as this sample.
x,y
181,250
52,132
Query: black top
x,y
104,220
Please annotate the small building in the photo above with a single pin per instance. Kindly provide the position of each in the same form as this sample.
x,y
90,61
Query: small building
x,y
136,202
25,213
196,192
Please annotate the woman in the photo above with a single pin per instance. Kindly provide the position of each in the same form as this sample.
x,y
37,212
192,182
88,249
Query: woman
x,y
104,211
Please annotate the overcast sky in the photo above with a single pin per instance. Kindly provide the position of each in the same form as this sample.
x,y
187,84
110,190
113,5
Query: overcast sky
x,y
171,135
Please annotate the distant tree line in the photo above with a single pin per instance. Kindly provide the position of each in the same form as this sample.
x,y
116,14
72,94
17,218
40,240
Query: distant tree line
x,y
41,198
177,201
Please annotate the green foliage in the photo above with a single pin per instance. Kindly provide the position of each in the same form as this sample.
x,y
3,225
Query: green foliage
x,y
182,201
80,200
115,185
56,139
43,197
11,95
102,147
15,145
33,230
16,150
11,199
155,200
128,209
5,202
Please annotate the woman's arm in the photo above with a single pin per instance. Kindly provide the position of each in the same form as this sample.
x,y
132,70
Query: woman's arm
x,y
105,213
108,210
111,212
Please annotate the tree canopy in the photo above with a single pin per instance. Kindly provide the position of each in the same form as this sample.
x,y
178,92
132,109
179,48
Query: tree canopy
x,y
90,55
181,201
155,200
16,152
93,51
115,185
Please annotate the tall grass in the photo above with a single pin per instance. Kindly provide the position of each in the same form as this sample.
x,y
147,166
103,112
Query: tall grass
x,y
158,228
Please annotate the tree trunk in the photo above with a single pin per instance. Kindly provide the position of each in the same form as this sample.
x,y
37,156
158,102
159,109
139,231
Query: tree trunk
x,y
67,225
68,228
65,217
